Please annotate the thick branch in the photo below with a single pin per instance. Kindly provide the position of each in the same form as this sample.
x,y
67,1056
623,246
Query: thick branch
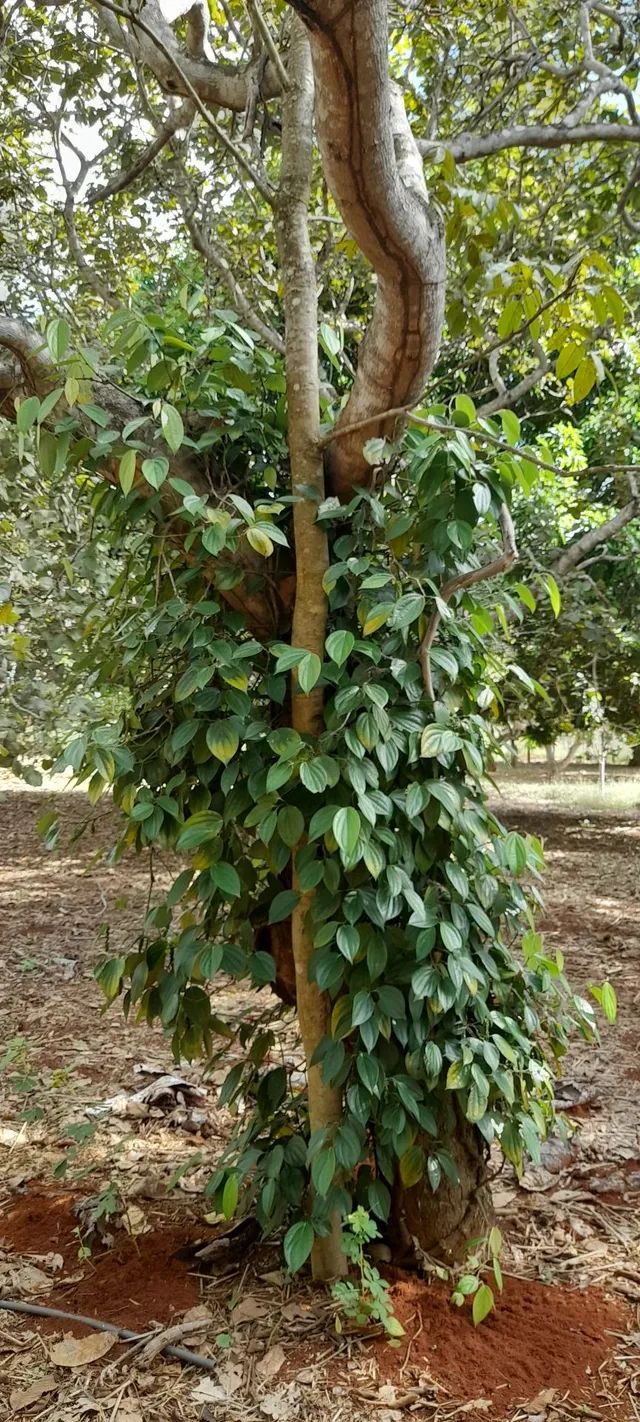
x,y
152,42
539,135
574,554
371,165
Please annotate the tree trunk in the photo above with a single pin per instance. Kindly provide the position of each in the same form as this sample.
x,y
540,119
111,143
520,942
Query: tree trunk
x,y
312,558
442,1223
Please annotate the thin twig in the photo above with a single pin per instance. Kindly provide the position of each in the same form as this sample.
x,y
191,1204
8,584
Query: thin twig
x,y
442,427
467,580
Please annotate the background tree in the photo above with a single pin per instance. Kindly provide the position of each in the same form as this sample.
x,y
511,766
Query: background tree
x,y
317,742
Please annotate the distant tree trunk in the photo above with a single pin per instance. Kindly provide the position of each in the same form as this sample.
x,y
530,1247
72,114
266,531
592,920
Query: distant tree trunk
x,y
550,757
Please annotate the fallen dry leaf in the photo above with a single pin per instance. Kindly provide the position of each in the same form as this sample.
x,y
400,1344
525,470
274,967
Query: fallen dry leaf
x,y
543,1400
230,1378
387,1393
77,1352
135,1221
279,1405
248,1310
271,1363
21,1399
24,1279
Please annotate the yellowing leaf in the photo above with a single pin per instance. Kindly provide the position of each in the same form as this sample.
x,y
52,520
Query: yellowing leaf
x,y
584,379
223,740
127,470
260,541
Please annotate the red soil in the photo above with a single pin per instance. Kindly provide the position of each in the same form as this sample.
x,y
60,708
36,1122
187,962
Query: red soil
x,y
538,1337
131,1283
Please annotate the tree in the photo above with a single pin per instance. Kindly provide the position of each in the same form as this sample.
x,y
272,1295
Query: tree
x,y
308,664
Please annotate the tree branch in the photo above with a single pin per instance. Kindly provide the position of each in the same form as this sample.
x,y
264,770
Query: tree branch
x,y
154,44
466,580
214,258
371,164
181,81
476,145
177,119
572,556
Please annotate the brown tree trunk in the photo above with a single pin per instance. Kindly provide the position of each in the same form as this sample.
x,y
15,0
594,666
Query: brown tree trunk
x,y
443,1222
312,557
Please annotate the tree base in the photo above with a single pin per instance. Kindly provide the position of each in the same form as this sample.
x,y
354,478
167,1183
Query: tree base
x,y
442,1223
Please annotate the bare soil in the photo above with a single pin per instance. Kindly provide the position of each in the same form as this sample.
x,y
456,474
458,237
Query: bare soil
x,y
565,1336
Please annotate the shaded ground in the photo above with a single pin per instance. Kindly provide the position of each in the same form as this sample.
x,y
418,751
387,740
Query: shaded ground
x,y
574,1221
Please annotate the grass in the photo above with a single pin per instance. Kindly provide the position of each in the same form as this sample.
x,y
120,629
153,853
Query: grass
x,y
579,790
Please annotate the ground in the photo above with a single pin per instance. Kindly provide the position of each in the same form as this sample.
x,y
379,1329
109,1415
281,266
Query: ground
x,y
564,1341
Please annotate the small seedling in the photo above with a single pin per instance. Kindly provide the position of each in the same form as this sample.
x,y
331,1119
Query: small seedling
x,y
485,1255
369,1301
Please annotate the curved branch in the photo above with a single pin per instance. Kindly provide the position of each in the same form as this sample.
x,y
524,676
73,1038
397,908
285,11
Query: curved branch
x,y
215,259
466,580
574,554
372,167
153,43
475,145
179,118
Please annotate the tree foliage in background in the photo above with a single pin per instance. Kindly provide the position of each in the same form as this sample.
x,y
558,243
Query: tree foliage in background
x,y
301,622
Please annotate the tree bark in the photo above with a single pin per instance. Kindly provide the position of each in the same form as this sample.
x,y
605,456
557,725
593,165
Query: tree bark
x,y
375,174
442,1223
312,558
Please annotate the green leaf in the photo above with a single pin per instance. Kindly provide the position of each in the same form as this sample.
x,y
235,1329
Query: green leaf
x,y
155,471
27,413
339,646
510,426
282,906
606,996
199,829
223,740
226,879
407,609
290,825
172,426
438,740
483,1302
58,337
298,1243
127,470
584,379
313,776
308,672
515,851
109,976
346,827
48,404
230,1196
554,593
323,1169
362,1010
